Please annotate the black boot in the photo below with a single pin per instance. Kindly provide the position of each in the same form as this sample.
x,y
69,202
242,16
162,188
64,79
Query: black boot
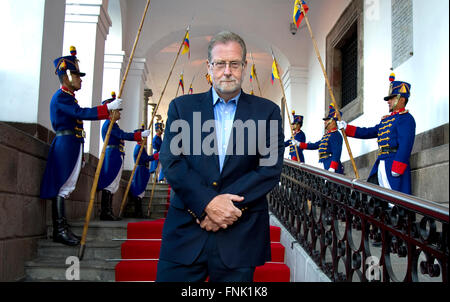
x,y
130,206
106,207
138,207
70,231
61,231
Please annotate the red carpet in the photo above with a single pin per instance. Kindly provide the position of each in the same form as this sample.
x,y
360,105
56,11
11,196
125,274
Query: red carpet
x,y
142,255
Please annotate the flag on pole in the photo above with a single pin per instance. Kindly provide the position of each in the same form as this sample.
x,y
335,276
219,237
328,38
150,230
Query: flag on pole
x,y
252,73
186,48
274,71
208,78
298,14
181,83
191,90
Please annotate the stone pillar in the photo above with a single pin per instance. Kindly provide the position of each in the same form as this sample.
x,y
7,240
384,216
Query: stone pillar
x,y
111,82
295,81
32,35
133,96
86,27
147,94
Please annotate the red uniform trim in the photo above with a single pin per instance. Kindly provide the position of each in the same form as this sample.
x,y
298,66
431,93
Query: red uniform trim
x,y
66,90
102,112
331,130
334,165
303,146
398,167
137,136
350,130
156,156
294,158
398,111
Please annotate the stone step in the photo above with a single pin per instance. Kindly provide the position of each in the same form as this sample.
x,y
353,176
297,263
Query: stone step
x,y
158,187
156,195
54,269
99,230
94,250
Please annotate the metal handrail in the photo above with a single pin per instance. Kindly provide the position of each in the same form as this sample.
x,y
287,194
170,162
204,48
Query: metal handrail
x,y
413,203
324,212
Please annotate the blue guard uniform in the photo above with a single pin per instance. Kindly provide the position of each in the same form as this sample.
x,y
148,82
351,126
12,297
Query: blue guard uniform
x,y
395,134
156,145
67,118
112,167
299,136
64,160
141,177
330,146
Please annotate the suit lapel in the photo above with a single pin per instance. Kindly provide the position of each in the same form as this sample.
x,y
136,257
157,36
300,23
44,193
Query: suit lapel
x,y
207,110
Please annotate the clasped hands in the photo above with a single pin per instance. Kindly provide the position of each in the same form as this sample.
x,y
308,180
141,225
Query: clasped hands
x,y
221,212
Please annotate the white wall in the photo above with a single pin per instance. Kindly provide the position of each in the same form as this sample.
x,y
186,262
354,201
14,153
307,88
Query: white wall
x,y
27,79
426,70
322,21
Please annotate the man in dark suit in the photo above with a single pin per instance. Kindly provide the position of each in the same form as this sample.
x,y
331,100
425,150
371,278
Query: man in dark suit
x,y
222,153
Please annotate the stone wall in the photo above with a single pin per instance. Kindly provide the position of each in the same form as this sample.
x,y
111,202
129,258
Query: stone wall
x,y
23,215
429,165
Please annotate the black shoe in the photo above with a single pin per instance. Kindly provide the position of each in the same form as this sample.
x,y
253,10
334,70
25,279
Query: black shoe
x,y
106,207
61,231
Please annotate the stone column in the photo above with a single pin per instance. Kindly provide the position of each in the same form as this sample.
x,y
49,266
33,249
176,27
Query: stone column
x,y
111,81
295,81
147,94
133,96
86,27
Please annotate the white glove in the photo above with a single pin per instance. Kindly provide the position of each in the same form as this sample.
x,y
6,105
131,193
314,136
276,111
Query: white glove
x,y
395,174
296,143
115,105
146,133
341,125
331,170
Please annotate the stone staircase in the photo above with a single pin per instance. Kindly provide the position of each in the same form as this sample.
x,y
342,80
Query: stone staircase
x,y
103,245
103,249
159,201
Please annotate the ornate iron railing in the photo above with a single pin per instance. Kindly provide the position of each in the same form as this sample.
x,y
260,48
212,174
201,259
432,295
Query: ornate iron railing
x,y
357,231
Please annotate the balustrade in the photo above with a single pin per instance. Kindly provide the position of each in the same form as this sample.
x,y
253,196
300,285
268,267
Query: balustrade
x,y
357,231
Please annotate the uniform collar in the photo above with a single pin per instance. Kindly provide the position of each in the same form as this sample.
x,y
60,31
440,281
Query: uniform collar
x,y
66,90
332,130
398,111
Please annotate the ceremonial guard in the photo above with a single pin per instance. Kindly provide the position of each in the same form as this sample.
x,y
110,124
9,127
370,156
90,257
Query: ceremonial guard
x,y
64,161
141,177
112,167
156,145
330,146
299,136
395,134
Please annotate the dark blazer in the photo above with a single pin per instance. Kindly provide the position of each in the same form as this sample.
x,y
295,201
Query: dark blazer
x,y
196,179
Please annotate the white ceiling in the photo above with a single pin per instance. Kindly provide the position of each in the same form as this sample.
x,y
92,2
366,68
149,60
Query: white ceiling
x,y
264,24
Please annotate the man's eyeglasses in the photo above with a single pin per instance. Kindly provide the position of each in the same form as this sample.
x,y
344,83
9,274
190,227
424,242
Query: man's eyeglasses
x,y
234,65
